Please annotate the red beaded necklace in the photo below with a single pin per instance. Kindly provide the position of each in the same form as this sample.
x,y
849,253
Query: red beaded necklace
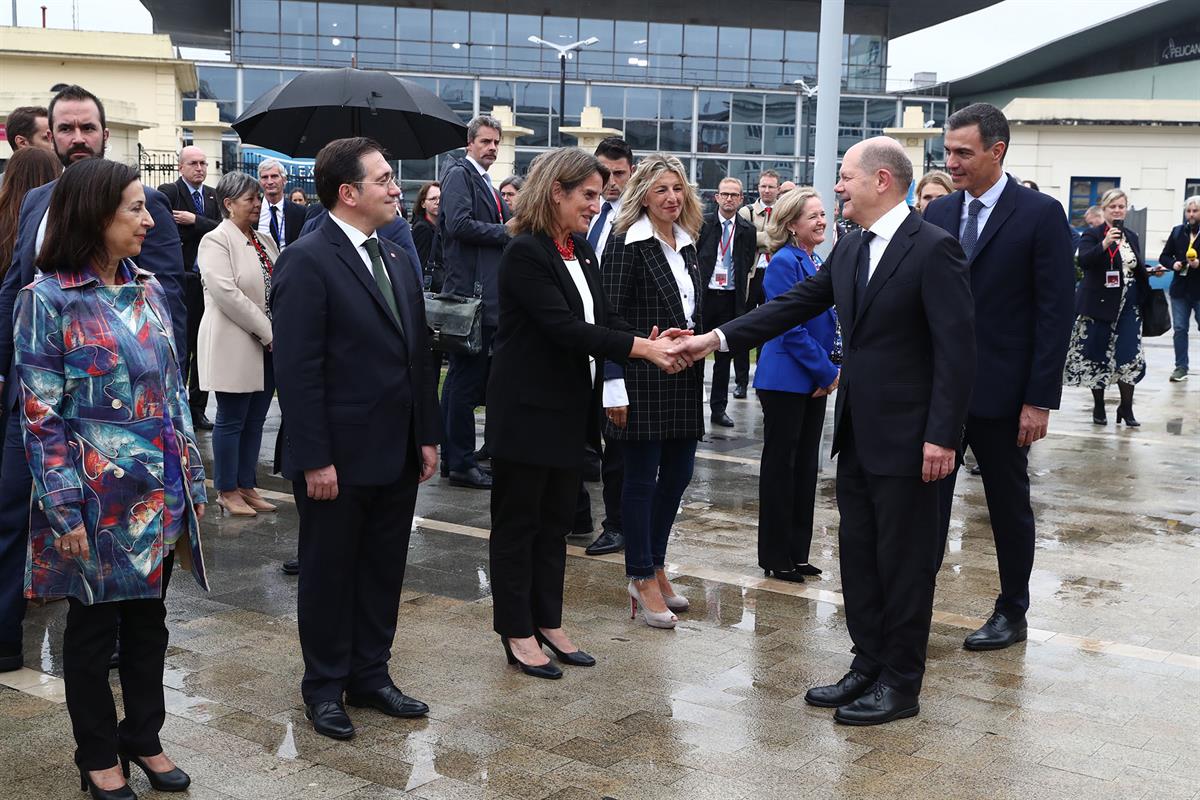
x,y
568,252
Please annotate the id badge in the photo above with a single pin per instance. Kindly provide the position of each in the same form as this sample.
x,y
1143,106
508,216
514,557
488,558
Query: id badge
x,y
1112,279
721,276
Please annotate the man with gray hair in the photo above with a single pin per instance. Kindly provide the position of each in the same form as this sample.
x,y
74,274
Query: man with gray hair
x,y
1179,255
473,236
279,217
903,297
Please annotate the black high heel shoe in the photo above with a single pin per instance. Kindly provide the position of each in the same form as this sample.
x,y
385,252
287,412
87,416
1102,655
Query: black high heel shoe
x,y
1125,414
547,670
791,575
578,658
175,780
808,569
86,785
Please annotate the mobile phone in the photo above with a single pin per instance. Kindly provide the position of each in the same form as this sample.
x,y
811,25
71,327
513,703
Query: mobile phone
x,y
1119,224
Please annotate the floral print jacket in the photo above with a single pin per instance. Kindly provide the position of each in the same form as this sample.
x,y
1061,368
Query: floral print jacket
x,y
108,435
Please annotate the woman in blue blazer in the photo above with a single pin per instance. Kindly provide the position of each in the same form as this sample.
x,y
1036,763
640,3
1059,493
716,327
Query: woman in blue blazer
x,y
794,377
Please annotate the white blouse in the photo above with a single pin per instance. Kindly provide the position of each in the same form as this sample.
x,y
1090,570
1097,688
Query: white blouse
x,y
589,307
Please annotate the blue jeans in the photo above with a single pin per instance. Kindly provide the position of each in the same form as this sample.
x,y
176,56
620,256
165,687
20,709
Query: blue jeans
x,y
1183,311
656,475
237,433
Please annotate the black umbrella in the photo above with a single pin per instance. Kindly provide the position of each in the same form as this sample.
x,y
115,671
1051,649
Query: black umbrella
x,y
314,108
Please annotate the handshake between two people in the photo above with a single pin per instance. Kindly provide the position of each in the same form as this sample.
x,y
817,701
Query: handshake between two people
x,y
674,349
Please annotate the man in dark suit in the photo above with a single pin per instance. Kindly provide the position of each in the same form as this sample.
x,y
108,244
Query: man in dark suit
x,y
727,250
77,124
360,409
279,217
194,208
473,236
1179,255
904,300
1018,245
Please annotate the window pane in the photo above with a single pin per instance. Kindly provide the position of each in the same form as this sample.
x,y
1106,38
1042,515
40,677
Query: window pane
x,y
851,115
700,40
336,50
881,113
522,26
487,28
767,43
700,70
709,173
642,103
533,98
676,104
298,49
666,38
781,109
256,82
258,46
747,107
488,58
260,16
417,169
560,30
526,59
575,95
610,100
665,68
630,37
714,106
297,17
641,135
595,63
734,71
779,140
675,136
458,94
745,138
495,93
713,138
377,53
218,83
539,124
602,29
766,73
450,56
377,22
800,70
337,19
412,55
735,43
412,24
450,26
801,46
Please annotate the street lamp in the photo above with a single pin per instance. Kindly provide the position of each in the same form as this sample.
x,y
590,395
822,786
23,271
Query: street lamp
x,y
564,51
809,93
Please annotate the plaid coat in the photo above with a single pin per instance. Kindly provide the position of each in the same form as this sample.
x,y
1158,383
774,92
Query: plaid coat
x,y
642,290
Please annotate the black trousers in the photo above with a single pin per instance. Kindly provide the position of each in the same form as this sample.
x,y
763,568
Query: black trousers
x,y
354,549
719,309
465,388
532,507
88,643
787,483
193,296
888,547
1004,468
612,473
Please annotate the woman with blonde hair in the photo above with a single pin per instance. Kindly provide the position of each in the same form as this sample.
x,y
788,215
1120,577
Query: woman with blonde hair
x,y
652,281
555,330
933,184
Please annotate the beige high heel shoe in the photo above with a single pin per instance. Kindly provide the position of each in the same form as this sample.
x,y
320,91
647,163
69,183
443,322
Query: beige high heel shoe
x,y
256,501
235,506
675,602
655,619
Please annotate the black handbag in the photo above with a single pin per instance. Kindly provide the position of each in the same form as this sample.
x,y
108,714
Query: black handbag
x,y
1156,314
455,323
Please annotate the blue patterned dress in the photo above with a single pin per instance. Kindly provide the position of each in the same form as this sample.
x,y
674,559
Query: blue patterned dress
x,y
108,436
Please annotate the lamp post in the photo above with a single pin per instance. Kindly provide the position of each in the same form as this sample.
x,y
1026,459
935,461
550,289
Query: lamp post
x,y
564,52
809,93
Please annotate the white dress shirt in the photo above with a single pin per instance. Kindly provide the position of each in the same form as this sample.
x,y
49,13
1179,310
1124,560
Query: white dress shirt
x,y
264,220
585,295
885,229
615,394
358,239
988,198
606,231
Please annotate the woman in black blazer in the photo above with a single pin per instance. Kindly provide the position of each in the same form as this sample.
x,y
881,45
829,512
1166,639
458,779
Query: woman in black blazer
x,y
425,234
1106,344
544,391
652,281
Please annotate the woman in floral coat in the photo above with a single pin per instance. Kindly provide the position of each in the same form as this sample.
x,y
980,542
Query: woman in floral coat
x,y
118,483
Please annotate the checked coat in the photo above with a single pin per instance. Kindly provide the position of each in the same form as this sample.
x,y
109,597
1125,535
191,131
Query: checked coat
x,y
642,290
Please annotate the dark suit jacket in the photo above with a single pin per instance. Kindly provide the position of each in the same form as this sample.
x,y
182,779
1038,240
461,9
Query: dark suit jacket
x,y
353,382
641,290
294,216
908,354
398,231
473,236
1022,280
1092,299
543,404
744,252
1174,250
161,254
179,195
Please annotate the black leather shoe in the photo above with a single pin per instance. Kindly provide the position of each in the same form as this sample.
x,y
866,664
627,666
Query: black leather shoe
x,y
739,391
330,719
609,541
175,780
852,686
792,575
547,670
482,454
473,478
576,658
86,785
997,633
201,422
390,701
879,705
722,419
291,566
808,569
11,657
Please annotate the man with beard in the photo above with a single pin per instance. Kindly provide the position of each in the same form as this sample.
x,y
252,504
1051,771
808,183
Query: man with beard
x,y
77,125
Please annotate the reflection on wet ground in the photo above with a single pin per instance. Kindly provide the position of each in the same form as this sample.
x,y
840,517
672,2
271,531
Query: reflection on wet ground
x,y
1102,702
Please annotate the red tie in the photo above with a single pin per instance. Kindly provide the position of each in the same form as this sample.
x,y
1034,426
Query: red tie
x,y
767,211
499,207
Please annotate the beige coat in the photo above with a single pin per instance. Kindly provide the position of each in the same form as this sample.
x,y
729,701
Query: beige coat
x,y
235,327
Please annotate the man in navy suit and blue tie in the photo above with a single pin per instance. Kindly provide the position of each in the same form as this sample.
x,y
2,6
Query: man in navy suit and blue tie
x,y
1018,246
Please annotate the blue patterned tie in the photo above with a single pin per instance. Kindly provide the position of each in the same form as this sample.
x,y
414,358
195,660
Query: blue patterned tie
x,y
598,227
727,258
970,236
198,201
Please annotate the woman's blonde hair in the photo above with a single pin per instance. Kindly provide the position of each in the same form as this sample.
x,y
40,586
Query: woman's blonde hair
x,y
649,170
942,179
566,166
1111,196
787,210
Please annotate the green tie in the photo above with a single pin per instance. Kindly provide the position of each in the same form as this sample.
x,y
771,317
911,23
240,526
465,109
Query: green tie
x,y
381,276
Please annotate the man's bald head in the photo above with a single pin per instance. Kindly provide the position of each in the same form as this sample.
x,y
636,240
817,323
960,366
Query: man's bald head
x,y
885,153
874,178
193,165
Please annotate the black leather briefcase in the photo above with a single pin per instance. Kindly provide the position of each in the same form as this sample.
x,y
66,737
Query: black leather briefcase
x,y
455,323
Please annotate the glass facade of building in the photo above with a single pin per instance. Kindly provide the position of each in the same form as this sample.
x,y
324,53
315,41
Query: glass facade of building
x,y
721,98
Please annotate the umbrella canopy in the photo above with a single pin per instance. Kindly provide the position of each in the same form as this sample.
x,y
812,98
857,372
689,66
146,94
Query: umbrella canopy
x,y
314,108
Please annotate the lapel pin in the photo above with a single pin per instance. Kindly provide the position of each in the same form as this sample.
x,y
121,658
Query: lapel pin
x,y
393,255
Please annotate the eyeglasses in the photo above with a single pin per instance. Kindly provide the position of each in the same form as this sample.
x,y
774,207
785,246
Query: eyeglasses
x,y
382,183
729,195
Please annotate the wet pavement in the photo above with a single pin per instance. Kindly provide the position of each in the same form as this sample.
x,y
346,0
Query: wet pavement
x,y
1102,702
